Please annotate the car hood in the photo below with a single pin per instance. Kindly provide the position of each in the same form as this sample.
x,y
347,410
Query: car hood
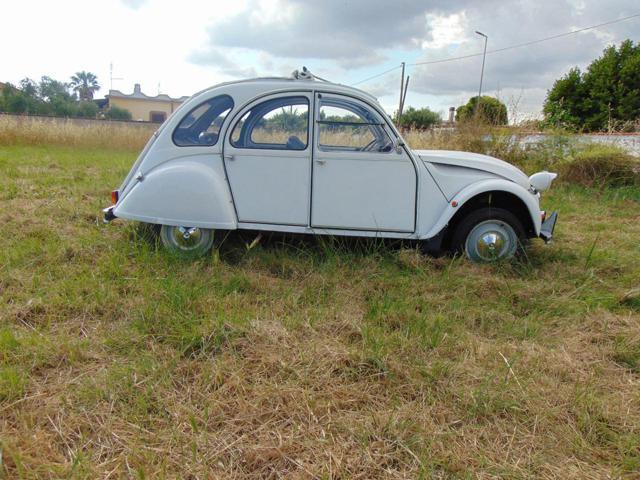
x,y
475,161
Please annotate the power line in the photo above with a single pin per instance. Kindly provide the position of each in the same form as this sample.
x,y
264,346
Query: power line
x,y
497,50
525,44
376,76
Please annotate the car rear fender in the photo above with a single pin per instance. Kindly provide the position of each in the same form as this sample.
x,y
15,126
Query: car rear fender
x,y
190,191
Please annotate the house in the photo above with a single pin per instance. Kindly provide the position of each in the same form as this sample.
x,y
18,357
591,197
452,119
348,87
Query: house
x,y
143,107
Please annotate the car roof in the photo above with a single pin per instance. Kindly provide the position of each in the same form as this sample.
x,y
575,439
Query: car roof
x,y
275,83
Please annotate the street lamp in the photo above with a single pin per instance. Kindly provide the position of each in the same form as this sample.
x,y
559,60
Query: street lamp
x,y
484,55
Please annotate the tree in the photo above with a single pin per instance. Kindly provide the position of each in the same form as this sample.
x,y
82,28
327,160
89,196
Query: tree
x,y
50,90
564,105
21,99
606,93
419,118
85,84
491,111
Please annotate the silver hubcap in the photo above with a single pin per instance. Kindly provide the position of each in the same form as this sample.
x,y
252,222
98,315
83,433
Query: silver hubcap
x,y
186,238
490,241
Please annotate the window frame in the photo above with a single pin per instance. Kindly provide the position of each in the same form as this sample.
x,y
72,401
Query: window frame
x,y
251,145
229,110
326,98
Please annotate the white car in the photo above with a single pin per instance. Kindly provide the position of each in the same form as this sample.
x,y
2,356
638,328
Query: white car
x,y
308,156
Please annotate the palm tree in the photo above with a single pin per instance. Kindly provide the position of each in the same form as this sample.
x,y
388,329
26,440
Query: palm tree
x,y
85,84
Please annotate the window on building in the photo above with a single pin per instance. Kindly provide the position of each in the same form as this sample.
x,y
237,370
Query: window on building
x,y
201,126
157,117
276,124
345,125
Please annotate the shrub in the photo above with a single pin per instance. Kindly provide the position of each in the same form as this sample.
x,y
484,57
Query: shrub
x,y
117,113
87,110
601,166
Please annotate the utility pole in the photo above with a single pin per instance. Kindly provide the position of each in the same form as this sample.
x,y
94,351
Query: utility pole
x,y
404,94
484,55
401,94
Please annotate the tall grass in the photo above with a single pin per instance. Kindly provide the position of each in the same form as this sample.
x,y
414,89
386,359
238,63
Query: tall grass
x,y
577,162
591,165
74,133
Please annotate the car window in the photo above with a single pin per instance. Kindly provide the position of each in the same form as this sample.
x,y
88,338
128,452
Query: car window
x,y
277,124
201,126
345,125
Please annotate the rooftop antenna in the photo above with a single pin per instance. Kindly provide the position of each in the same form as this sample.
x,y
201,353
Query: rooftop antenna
x,y
111,77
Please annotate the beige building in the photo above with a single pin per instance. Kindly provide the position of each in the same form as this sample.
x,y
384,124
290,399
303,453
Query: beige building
x,y
143,107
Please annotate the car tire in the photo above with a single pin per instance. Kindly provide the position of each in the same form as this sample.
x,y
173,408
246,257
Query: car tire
x,y
186,241
488,235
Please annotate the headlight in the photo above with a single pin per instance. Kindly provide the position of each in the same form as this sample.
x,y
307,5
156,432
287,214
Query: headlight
x,y
541,181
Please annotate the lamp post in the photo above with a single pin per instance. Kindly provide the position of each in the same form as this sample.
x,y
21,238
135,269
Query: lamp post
x,y
484,55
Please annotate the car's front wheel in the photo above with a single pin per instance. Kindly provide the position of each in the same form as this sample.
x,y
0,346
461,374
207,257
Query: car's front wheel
x,y
187,241
488,235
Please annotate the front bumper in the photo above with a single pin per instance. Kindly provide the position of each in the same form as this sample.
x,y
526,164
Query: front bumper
x,y
108,214
546,230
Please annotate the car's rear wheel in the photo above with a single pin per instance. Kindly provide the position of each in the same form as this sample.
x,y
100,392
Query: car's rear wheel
x,y
187,241
488,235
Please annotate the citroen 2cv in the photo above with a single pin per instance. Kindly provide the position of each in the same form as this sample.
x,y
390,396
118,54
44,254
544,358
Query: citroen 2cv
x,y
308,156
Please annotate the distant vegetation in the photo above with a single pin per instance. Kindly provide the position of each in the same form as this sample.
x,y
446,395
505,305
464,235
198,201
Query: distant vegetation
x,y
419,118
605,96
491,111
53,97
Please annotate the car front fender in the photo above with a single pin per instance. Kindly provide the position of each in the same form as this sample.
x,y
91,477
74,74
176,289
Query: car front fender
x,y
190,191
471,191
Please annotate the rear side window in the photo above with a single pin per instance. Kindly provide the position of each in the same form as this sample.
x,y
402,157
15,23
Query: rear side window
x,y
201,126
277,124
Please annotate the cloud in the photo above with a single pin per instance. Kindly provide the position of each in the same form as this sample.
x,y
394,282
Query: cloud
x,y
351,32
134,4
347,35
214,57
529,66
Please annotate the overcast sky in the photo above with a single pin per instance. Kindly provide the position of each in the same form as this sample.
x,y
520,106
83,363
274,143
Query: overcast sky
x,y
181,47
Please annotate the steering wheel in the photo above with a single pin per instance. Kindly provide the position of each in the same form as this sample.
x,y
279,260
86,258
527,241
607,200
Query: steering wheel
x,y
386,147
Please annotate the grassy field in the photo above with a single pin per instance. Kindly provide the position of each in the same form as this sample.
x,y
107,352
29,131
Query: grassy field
x,y
304,357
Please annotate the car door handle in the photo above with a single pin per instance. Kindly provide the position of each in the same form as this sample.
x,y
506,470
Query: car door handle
x,y
228,156
320,161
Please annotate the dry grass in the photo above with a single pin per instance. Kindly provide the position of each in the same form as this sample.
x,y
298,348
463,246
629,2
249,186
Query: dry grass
x,y
301,358
74,132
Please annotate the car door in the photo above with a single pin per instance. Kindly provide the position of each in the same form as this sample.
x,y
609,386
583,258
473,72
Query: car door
x,y
267,156
360,180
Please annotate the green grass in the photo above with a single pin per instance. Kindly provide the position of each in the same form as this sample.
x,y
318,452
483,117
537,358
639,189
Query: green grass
x,y
308,357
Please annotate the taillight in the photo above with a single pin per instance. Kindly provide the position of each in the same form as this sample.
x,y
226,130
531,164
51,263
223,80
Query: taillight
x,y
543,215
115,195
